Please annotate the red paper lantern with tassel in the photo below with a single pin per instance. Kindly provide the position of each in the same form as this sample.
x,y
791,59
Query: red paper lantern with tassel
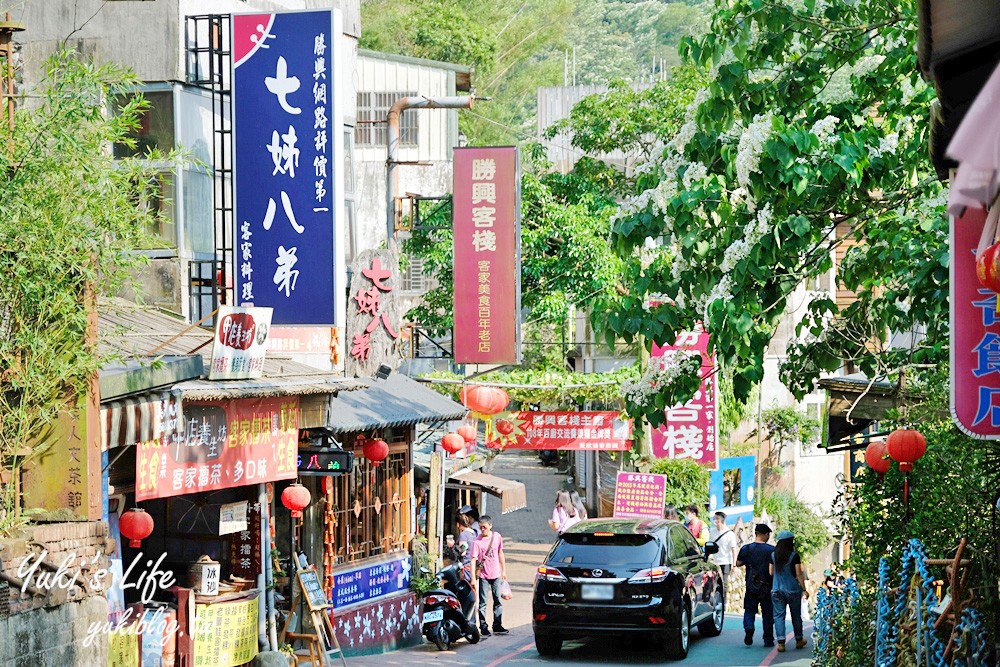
x,y
467,432
296,498
136,525
376,451
484,400
906,446
875,457
452,443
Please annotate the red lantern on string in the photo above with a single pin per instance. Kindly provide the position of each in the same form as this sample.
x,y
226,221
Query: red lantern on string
x,y
875,457
505,426
376,451
452,442
484,400
467,432
136,525
906,446
296,498
988,267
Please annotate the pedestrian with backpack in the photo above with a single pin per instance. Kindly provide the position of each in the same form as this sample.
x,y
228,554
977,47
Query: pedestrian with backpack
x,y
728,544
756,558
788,588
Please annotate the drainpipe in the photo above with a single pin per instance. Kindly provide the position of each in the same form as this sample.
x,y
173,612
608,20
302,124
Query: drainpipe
x,y
391,163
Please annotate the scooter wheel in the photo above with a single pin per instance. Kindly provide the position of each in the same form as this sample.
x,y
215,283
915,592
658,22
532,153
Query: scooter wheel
x,y
473,635
440,637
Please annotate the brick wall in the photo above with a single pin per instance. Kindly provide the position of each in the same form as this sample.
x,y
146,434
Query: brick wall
x,y
48,626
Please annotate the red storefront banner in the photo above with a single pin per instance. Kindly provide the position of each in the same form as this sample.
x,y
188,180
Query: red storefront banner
x,y
486,220
691,430
975,335
562,430
224,444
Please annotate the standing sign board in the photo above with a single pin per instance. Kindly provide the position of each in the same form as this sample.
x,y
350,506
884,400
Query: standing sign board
x,y
975,335
640,495
225,444
562,430
288,147
690,431
486,213
240,343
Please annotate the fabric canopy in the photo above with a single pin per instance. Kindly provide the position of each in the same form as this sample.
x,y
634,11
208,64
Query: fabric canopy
x,y
512,494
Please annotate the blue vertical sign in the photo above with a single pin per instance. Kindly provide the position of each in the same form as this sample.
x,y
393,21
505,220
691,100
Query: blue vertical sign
x,y
731,488
284,137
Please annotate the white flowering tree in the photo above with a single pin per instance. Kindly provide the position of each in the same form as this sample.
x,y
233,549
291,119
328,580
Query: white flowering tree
x,y
811,131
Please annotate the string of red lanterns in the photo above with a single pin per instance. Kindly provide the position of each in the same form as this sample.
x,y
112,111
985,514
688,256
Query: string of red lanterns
x,y
906,446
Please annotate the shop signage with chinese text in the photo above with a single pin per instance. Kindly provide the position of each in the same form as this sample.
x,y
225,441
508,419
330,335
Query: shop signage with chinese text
x,y
225,633
225,444
319,461
975,335
370,581
287,148
486,213
562,430
691,430
374,317
240,343
640,495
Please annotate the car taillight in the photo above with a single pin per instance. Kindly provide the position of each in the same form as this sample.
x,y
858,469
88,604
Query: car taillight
x,y
550,574
650,576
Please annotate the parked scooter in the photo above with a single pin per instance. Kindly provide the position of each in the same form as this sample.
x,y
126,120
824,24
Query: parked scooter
x,y
448,610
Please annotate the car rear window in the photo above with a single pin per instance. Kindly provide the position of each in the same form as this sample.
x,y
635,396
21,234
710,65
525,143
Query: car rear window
x,y
605,549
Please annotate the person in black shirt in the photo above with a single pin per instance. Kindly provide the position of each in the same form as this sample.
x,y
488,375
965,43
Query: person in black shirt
x,y
756,557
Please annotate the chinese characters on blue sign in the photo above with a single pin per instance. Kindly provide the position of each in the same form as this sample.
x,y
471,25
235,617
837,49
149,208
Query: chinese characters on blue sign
x,y
284,132
370,582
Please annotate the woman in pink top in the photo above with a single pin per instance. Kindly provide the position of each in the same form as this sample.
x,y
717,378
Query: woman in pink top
x,y
490,566
564,514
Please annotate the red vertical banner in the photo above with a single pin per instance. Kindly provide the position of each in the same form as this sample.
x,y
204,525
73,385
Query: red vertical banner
x,y
486,220
691,429
975,335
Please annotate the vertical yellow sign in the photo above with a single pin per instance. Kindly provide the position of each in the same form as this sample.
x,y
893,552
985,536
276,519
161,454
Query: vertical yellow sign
x,y
225,634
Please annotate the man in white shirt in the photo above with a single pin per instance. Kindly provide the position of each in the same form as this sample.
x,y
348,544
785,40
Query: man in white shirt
x,y
728,544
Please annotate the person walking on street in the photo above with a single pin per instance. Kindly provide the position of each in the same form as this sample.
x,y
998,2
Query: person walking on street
x,y
466,538
489,565
698,528
564,515
581,509
473,514
728,545
788,588
756,557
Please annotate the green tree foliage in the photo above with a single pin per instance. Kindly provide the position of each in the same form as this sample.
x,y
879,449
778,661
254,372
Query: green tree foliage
x,y
546,388
565,259
811,128
788,426
687,481
790,513
71,215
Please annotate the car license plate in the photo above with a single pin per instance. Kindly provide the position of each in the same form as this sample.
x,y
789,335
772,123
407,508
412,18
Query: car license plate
x,y
433,616
597,592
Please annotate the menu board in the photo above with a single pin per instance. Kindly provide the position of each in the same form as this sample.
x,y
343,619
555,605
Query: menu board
x,y
225,633
312,589
370,582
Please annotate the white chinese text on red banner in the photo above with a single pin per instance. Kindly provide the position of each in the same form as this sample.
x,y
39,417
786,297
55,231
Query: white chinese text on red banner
x,y
487,242
287,148
690,430
240,343
224,444
562,430
975,335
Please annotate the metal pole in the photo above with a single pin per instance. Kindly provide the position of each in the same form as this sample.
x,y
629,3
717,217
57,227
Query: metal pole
x,y
7,30
392,134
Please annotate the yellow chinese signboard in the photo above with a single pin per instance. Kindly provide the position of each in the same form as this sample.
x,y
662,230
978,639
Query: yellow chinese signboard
x,y
225,633
123,649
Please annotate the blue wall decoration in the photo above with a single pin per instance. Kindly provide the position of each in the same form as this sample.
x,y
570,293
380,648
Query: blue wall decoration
x,y
733,493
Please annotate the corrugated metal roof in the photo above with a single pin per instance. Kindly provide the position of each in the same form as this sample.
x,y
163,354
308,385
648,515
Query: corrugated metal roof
x,y
131,331
395,401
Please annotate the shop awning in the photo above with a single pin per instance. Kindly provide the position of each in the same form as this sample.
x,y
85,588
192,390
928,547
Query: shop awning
x,y
512,495
394,401
853,403
137,419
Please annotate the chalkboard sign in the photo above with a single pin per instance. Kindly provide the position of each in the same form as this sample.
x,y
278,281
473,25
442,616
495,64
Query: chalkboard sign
x,y
312,589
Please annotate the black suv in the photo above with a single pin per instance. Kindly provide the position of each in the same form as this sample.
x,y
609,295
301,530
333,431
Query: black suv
x,y
620,576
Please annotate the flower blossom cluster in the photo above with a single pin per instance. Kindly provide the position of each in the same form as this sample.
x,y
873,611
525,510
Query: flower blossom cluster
x,y
659,376
751,146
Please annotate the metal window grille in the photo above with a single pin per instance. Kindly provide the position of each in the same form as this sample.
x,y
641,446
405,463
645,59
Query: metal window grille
x,y
413,279
368,512
372,111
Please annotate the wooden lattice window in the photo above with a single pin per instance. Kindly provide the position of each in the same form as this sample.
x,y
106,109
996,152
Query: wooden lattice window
x,y
368,512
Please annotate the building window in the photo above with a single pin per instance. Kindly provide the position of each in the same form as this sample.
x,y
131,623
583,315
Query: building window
x,y
372,129
413,278
368,512
156,126
815,411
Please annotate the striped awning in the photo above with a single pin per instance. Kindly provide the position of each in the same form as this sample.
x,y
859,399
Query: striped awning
x,y
138,419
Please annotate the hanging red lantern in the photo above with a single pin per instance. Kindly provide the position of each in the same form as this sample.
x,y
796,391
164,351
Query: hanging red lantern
x,y
136,525
452,442
988,267
296,498
484,400
467,432
875,457
376,451
906,446
505,426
